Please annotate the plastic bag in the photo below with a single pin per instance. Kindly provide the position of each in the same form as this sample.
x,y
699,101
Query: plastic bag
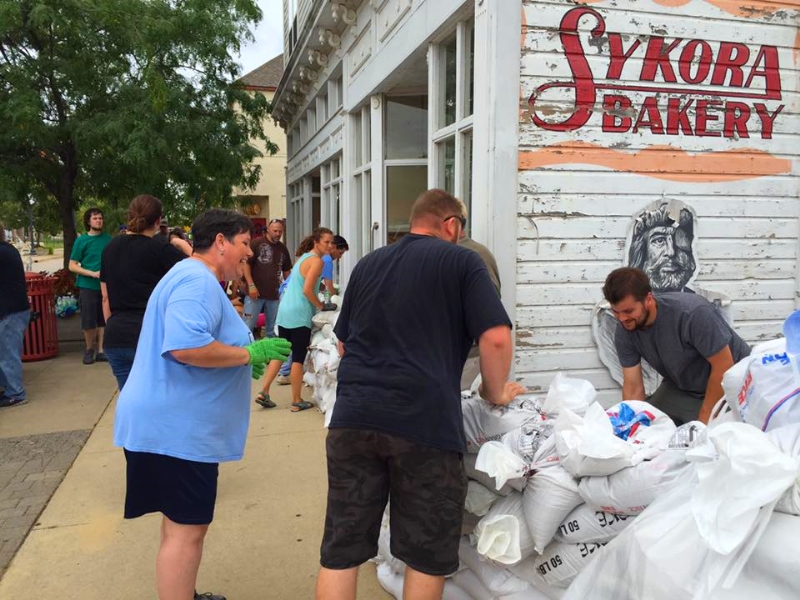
x,y
588,446
485,422
566,392
770,393
549,497
483,478
631,490
585,525
497,461
698,536
479,498
787,439
526,441
503,535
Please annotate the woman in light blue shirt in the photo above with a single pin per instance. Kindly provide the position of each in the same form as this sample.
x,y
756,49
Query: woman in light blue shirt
x,y
299,303
184,408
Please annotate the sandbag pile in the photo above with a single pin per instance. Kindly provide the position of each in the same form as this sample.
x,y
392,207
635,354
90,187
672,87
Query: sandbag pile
x,y
552,480
322,361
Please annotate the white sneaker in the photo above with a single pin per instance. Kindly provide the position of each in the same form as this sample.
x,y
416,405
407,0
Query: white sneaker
x,y
283,380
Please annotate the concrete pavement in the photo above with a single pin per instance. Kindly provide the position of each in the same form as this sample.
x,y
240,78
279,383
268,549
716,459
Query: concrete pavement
x,y
265,538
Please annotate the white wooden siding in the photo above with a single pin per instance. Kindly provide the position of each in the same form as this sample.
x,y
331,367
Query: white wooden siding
x,y
573,213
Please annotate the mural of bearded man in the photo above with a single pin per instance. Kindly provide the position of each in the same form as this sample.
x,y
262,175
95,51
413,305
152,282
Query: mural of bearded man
x,y
661,243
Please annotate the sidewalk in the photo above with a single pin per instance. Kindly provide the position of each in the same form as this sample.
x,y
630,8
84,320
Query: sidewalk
x,y
264,542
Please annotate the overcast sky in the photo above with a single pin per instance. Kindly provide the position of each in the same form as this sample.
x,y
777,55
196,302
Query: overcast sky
x,y
269,37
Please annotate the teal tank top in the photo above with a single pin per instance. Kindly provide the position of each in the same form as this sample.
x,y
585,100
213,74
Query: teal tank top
x,y
295,310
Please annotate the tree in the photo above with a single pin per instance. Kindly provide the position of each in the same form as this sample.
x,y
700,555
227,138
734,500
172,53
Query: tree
x,y
107,99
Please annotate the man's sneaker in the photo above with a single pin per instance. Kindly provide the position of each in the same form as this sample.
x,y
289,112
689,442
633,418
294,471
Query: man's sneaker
x,y
101,357
283,380
88,357
6,401
208,596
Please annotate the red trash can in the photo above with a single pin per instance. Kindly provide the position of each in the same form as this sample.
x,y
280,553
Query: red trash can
x,y
41,337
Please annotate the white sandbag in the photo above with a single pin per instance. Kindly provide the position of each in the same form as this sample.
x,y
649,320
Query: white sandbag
x,y
503,535
309,378
497,580
484,422
585,525
771,573
497,461
483,478
629,491
327,331
787,439
557,566
696,538
770,394
733,379
465,585
526,441
479,498
588,446
384,547
316,338
566,392
325,316
551,494
390,581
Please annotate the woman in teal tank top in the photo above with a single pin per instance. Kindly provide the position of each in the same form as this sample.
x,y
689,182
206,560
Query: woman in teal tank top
x,y
299,303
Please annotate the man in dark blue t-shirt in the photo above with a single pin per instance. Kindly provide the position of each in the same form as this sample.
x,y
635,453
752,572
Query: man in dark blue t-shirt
x,y
14,317
410,314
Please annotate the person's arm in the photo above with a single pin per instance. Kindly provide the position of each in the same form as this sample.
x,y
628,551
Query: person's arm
x,y
76,268
214,355
328,283
341,348
252,290
720,362
106,303
496,349
311,276
181,245
632,383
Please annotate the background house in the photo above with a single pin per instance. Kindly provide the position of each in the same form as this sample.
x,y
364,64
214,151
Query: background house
x,y
268,199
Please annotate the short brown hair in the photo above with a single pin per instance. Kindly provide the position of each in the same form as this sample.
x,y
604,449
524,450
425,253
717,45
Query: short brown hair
x,y
435,203
624,282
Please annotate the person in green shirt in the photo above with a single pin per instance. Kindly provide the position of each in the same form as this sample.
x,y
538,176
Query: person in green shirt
x,y
85,263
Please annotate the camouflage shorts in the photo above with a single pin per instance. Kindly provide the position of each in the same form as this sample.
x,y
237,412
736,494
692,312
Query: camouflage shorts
x,y
427,488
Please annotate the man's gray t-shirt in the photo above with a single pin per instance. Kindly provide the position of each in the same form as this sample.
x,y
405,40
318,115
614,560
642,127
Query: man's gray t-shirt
x,y
687,331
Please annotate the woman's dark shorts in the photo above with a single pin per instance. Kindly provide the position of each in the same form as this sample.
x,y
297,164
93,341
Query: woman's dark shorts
x,y
185,491
427,488
301,340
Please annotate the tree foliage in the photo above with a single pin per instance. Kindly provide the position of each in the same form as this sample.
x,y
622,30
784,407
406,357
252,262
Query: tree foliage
x,y
106,99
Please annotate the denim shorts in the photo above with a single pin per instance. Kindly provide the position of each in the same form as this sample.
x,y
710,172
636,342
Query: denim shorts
x,y
426,488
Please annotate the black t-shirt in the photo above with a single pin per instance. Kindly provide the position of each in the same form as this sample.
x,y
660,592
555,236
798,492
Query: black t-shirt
x,y
131,267
411,312
13,289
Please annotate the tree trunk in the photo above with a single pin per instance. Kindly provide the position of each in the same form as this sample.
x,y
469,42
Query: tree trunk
x,y
66,200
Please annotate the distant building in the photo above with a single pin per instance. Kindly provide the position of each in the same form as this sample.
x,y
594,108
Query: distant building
x,y
268,199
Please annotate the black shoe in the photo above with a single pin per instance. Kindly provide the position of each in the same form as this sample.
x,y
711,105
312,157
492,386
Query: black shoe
x,y
100,357
88,357
208,596
6,402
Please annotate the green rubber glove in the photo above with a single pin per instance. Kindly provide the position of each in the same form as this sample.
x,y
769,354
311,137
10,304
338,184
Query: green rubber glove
x,y
258,371
263,351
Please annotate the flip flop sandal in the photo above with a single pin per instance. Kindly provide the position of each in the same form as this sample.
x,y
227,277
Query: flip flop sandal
x,y
303,405
265,401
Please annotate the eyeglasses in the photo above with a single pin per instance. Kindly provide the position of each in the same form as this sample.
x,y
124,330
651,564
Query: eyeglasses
x,y
462,220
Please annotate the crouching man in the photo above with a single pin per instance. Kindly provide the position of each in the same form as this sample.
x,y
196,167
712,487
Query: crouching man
x,y
681,335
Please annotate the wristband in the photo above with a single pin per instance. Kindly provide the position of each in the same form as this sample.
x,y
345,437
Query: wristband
x,y
252,285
